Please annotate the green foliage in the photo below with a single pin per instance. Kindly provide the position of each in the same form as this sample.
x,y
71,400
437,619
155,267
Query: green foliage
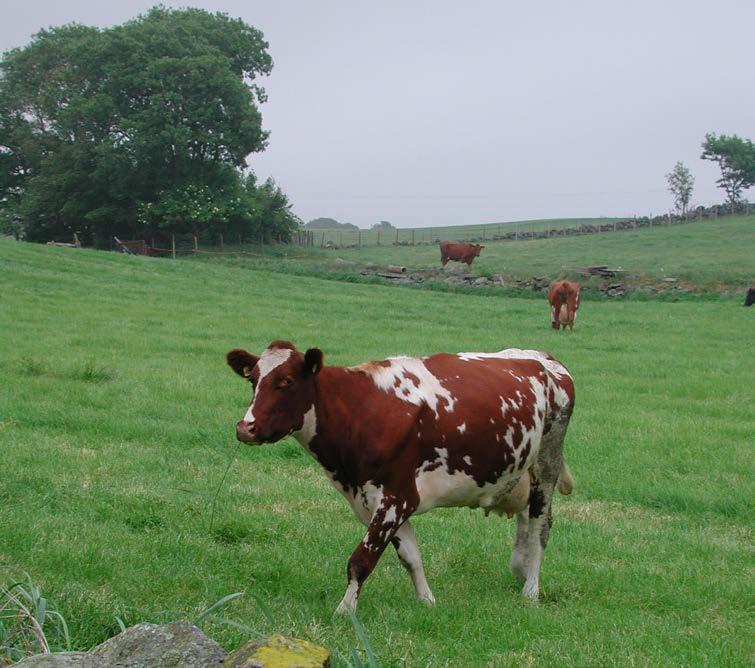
x,y
328,224
383,225
28,625
144,126
680,185
736,158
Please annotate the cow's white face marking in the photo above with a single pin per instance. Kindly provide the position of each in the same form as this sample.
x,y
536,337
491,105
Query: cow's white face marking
x,y
462,427
271,359
396,377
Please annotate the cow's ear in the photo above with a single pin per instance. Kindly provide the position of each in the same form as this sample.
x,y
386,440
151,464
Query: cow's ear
x,y
241,362
313,361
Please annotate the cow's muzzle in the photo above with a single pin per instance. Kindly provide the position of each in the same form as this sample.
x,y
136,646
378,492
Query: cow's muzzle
x,y
246,432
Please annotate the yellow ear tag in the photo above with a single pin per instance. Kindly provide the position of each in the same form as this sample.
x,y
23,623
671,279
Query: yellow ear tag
x,y
314,369
248,371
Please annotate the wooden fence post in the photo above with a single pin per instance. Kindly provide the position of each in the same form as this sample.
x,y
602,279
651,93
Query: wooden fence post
x,y
196,246
397,236
359,238
221,241
412,236
173,245
378,236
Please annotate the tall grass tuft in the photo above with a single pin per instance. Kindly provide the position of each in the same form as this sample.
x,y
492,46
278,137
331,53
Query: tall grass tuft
x,y
92,372
31,367
356,661
27,624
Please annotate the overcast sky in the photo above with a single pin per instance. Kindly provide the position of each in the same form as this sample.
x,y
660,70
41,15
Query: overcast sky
x,y
441,113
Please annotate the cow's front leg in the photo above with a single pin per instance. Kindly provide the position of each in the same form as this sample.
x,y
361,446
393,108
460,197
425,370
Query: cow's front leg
x,y
408,552
385,522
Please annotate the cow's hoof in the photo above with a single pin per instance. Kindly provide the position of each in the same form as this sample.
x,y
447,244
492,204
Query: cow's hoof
x,y
345,608
531,590
428,599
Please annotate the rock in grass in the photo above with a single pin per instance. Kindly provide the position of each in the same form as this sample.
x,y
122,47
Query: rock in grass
x,y
177,644
278,651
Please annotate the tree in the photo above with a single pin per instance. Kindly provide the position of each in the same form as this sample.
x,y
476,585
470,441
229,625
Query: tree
x,y
680,185
736,158
145,126
383,225
328,224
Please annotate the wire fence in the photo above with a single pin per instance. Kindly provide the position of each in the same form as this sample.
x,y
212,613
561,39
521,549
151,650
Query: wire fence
x,y
184,244
513,231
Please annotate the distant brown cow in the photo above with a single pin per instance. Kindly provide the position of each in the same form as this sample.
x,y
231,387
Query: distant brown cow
x,y
450,250
564,300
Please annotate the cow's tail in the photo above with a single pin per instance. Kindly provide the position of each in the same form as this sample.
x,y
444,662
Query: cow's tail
x,y
565,483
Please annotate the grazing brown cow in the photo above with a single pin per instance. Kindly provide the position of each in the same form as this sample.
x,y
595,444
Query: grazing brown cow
x,y
404,435
450,250
564,300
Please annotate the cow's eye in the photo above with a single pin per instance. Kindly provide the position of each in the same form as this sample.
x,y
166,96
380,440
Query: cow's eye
x,y
285,383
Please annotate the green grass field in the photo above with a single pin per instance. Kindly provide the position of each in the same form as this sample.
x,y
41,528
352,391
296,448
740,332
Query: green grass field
x,y
117,418
712,255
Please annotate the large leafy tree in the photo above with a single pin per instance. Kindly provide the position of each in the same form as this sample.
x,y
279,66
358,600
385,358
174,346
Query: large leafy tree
x,y
139,125
736,158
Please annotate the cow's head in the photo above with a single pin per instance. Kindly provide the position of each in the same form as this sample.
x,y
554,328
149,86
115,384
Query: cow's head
x,y
284,390
476,248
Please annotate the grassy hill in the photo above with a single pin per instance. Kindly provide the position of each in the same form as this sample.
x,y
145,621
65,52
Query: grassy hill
x,y
712,255
116,428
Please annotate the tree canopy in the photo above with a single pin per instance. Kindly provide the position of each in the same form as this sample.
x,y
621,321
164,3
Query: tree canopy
x,y
383,225
736,158
328,224
136,129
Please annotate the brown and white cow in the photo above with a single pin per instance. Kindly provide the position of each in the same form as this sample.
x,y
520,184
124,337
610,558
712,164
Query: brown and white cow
x,y
404,435
564,300
451,250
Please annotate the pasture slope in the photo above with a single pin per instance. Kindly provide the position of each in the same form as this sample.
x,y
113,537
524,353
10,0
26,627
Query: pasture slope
x,y
715,255
116,426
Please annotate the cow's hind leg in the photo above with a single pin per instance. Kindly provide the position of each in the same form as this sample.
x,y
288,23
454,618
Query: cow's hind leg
x,y
385,522
518,561
543,476
408,553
